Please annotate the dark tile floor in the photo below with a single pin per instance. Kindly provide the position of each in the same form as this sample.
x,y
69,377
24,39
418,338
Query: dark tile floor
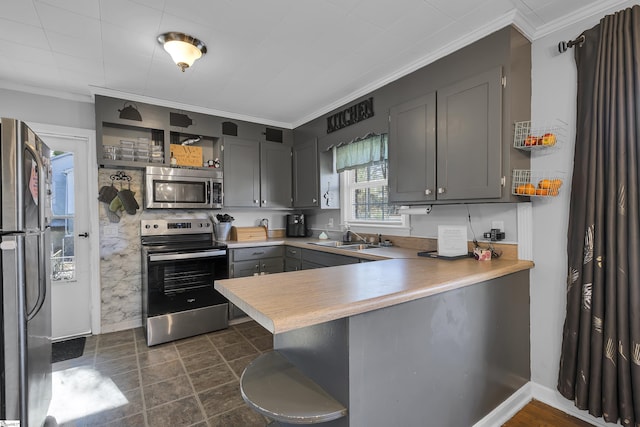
x,y
119,381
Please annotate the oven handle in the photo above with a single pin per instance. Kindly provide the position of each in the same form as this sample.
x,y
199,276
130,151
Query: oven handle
x,y
190,255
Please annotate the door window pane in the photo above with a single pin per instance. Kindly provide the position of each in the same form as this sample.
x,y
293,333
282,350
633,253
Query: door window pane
x,y
62,205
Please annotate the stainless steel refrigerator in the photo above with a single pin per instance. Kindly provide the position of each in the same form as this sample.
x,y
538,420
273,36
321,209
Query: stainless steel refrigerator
x,y
25,192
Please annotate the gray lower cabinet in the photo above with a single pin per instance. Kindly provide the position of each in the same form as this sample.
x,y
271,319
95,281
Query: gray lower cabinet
x,y
447,144
246,262
292,258
256,174
256,260
316,259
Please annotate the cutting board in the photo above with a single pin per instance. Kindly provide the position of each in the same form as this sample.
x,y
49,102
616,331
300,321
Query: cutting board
x,y
247,234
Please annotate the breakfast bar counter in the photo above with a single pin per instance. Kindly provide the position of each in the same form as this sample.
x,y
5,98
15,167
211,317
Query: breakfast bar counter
x,y
287,301
407,342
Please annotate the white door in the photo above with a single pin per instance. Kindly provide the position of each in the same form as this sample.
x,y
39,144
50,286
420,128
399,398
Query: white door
x,y
70,226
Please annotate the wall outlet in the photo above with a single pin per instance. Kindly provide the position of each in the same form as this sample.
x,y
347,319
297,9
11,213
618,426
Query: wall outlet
x,y
499,225
330,223
110,230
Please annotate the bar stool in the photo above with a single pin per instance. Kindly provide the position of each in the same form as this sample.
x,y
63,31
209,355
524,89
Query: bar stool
x,y
276,389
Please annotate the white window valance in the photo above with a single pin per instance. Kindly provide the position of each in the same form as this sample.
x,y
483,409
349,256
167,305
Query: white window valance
x,y
361,152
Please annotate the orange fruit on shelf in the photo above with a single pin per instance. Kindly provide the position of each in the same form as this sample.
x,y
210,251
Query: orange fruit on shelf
x,y
526,189
542,192
548,139
545,184
531,140
556,183
553,192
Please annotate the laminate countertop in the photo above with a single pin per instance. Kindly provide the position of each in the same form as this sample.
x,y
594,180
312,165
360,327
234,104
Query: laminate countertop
x,y
283,302
372,254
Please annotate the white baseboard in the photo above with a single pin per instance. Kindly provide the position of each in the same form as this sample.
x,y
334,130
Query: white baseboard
x,y
115,327
553,398
507,409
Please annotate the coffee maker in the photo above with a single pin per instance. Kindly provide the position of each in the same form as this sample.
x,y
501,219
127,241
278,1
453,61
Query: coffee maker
x,y
296,225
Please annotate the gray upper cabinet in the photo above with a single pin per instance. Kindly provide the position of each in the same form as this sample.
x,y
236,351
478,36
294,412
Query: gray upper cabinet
x,y
305,175
241,172
469,138
275,173
315,181
256,174
412,150
447,144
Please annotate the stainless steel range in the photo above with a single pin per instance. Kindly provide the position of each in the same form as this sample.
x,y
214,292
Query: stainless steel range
x,y
180,262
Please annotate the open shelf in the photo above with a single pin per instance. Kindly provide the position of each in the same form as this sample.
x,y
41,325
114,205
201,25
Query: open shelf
x,y
536,183
532,136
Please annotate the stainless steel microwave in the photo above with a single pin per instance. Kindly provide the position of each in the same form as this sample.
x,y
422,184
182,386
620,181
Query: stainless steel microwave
x,y
183,188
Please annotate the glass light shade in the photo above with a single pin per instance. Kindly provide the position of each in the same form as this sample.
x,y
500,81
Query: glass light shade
x,y
183,53
184,49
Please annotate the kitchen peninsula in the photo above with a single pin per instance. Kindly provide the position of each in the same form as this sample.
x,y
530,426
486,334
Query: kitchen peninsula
x,y
412,342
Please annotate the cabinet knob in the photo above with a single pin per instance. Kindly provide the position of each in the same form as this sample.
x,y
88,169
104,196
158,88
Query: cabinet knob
x,y
257,267
428,192
264,202
256,201
441,190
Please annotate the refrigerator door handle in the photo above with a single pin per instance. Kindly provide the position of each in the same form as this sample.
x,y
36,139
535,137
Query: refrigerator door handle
x,y
42,280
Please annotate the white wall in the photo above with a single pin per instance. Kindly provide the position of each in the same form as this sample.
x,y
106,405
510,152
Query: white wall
x,y
47,109
426,225
553,97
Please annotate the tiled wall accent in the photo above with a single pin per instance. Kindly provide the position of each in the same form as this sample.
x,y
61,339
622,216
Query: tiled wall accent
x,y
120,256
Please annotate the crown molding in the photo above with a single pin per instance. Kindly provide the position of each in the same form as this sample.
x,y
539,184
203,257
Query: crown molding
x,y
594,9
53,93
97,90
473,36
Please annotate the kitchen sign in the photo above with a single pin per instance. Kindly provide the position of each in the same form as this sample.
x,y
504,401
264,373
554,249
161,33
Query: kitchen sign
x,y
350,116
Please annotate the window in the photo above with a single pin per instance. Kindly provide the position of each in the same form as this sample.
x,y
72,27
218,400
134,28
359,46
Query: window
x,y
362,164
366,197
62,206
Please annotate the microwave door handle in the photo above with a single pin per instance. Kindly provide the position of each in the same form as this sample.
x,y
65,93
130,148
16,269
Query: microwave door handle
x,y
191,255
209,189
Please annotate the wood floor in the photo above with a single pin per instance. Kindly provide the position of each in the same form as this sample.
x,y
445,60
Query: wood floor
x,y
537,414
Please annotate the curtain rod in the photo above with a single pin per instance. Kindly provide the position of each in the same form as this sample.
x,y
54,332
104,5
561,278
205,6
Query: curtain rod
x,y
563,46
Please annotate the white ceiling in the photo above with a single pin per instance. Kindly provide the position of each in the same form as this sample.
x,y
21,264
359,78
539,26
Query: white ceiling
x,y
278,62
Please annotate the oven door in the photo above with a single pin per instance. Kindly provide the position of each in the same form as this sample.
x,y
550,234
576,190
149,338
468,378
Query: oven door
x,y
179,281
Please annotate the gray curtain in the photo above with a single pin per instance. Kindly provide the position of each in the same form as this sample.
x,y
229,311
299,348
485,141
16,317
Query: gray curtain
x,y
600,360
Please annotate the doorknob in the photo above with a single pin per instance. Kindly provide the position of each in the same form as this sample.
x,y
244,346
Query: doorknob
x,y
85,234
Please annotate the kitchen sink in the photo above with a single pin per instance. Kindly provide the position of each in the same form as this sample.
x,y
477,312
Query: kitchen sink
x,y
345,245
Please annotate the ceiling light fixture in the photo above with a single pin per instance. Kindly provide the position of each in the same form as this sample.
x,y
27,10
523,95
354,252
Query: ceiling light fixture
x,y
184,49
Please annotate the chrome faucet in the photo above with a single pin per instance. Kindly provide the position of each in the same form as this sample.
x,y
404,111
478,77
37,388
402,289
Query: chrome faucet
x,y
349,233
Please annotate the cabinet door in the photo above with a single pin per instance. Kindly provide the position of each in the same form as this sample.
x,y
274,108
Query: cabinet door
x,y
312,258
412,150
275,174
271,265
292,264
245,268
305,175
241,172
469,138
